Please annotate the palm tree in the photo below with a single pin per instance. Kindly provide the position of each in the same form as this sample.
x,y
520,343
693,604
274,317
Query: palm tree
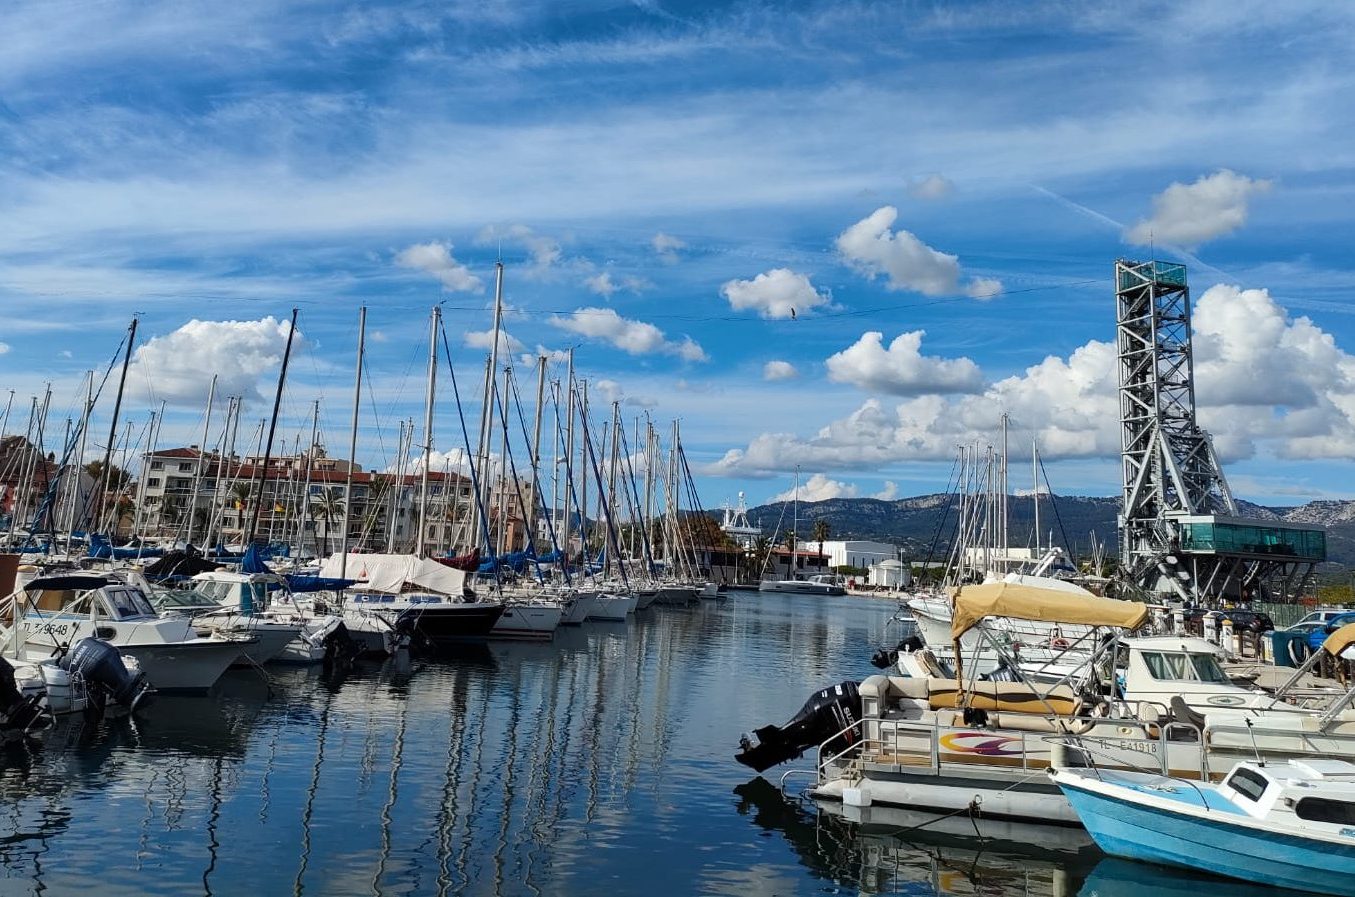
x,y
762,547
821,532
327,506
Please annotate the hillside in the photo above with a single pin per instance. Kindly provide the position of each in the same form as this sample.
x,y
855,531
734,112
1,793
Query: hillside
x,y
914,523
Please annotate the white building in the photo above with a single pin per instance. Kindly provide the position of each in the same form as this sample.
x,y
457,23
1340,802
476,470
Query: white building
x,y
854,553
890,574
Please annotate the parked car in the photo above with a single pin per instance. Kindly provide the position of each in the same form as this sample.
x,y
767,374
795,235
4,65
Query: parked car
x,y
1251,621
1322,615
1318,636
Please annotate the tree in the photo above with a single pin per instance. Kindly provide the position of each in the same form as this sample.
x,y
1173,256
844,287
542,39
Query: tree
x,y
762,547
821,532
327,506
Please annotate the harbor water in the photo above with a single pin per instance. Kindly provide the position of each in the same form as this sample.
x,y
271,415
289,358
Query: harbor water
x,y
598,764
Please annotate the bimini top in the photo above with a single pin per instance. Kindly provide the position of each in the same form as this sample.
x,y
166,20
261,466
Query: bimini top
x,y
1027,602
1340,640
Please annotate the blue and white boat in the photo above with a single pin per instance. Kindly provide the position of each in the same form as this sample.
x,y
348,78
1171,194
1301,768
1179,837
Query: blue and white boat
x,y
1289,825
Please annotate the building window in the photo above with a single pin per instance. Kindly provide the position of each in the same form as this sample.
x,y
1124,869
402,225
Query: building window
x,y
183,466
152,482
157,465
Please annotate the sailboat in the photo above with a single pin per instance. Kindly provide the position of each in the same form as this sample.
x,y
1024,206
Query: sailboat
x,y
817,584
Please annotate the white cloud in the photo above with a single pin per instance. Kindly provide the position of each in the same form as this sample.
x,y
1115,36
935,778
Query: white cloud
x,y
870,247
178,366
889,492
779,293
65,353
630,336
4,348
1266,385
931,187
436,259
1213,206
378,336
667,247
779,370
901,369
604,285
545,251
818,488
453,461
484,339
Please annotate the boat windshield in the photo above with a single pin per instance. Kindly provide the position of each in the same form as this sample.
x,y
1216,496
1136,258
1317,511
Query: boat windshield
x,y
174,599
1179,665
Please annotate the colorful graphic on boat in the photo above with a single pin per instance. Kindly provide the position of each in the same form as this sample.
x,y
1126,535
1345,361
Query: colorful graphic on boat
x,y
984,743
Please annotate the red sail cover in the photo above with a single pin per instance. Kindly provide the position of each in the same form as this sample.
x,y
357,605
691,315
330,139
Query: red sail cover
x,y
468,562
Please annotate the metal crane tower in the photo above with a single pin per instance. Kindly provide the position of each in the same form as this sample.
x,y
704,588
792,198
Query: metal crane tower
x,y
1180,530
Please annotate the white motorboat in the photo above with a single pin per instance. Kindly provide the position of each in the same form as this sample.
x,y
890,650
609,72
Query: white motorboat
x,y
528,619
61,610
819,584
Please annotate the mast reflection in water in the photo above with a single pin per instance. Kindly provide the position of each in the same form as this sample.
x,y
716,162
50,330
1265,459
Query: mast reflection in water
x,y
598,764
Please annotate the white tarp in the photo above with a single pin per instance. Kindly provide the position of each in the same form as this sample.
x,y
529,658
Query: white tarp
x,y
393,572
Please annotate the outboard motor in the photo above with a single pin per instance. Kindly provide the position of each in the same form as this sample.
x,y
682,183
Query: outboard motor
x,y
18,714
100,664
826,714
885,658
341,649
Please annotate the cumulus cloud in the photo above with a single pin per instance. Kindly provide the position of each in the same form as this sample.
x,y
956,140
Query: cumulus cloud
x,y
902,369
545,251
779,293
178,366
606,286
1265,384
667,247
453,461
436,259
610,391
873,249
4,348
889,492
818,488
931,187
484,339
630,336
1191,214
779,370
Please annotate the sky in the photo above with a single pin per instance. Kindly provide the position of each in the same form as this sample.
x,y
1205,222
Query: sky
x,y
839,237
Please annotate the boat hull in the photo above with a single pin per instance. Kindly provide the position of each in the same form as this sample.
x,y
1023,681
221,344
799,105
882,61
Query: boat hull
x,y
528,621
185,667
612,608
453,624
1218,844
798,587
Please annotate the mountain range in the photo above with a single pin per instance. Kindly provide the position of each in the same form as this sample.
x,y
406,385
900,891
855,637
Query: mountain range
x,y
925,524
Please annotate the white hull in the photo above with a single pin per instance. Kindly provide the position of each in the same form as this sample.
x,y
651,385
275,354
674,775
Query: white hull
x,y
528,621
612,608
799,587
579,609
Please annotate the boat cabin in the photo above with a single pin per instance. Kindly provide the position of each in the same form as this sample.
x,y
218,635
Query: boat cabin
x,y
1156,669
246,593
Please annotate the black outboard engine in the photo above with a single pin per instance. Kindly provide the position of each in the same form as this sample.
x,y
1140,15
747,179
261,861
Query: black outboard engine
x,y
826,714
18,714
100,665
341,650
885,658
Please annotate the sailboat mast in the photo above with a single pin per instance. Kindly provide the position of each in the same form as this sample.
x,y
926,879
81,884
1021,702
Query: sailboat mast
x,y
102,490
272,429
569,453
434,320
306,483
353,444
583,465
532,486
202,460
1035,485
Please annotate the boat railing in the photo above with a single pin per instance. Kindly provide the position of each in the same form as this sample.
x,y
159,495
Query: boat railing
x,y
900,744
1090,752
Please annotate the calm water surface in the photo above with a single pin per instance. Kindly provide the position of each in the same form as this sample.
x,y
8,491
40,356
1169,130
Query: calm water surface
x,y
599,764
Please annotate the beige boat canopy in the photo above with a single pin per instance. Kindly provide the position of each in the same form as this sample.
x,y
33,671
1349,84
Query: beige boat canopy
x,y
1340,640
1024,602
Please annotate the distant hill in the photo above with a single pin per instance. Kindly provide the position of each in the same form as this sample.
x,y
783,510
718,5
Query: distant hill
x,y
914,523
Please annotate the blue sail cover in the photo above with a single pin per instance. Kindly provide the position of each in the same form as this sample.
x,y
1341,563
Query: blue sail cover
x,y
298,583
253,561
100,547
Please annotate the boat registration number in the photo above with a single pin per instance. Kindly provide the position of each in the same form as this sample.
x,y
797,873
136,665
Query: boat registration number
x,y
1136,745
59,630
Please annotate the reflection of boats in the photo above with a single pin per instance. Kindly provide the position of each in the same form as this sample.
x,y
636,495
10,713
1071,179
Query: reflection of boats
x,y
1276,825
892,859
1121,878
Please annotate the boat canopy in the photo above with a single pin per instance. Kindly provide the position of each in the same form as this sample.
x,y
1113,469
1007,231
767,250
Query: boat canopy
x,y
1024,602
393,572
1340,640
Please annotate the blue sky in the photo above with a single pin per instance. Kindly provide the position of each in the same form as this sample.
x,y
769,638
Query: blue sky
x,y
686,174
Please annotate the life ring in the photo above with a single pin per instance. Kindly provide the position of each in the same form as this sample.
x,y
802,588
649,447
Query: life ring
x,y
1059,642
1299,651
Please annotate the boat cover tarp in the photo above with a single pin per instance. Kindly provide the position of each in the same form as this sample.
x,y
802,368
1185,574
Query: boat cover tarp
x,y
393,572
1340,640
1024,602
298,583
253,561
100,547
73,582
468,562
179,563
